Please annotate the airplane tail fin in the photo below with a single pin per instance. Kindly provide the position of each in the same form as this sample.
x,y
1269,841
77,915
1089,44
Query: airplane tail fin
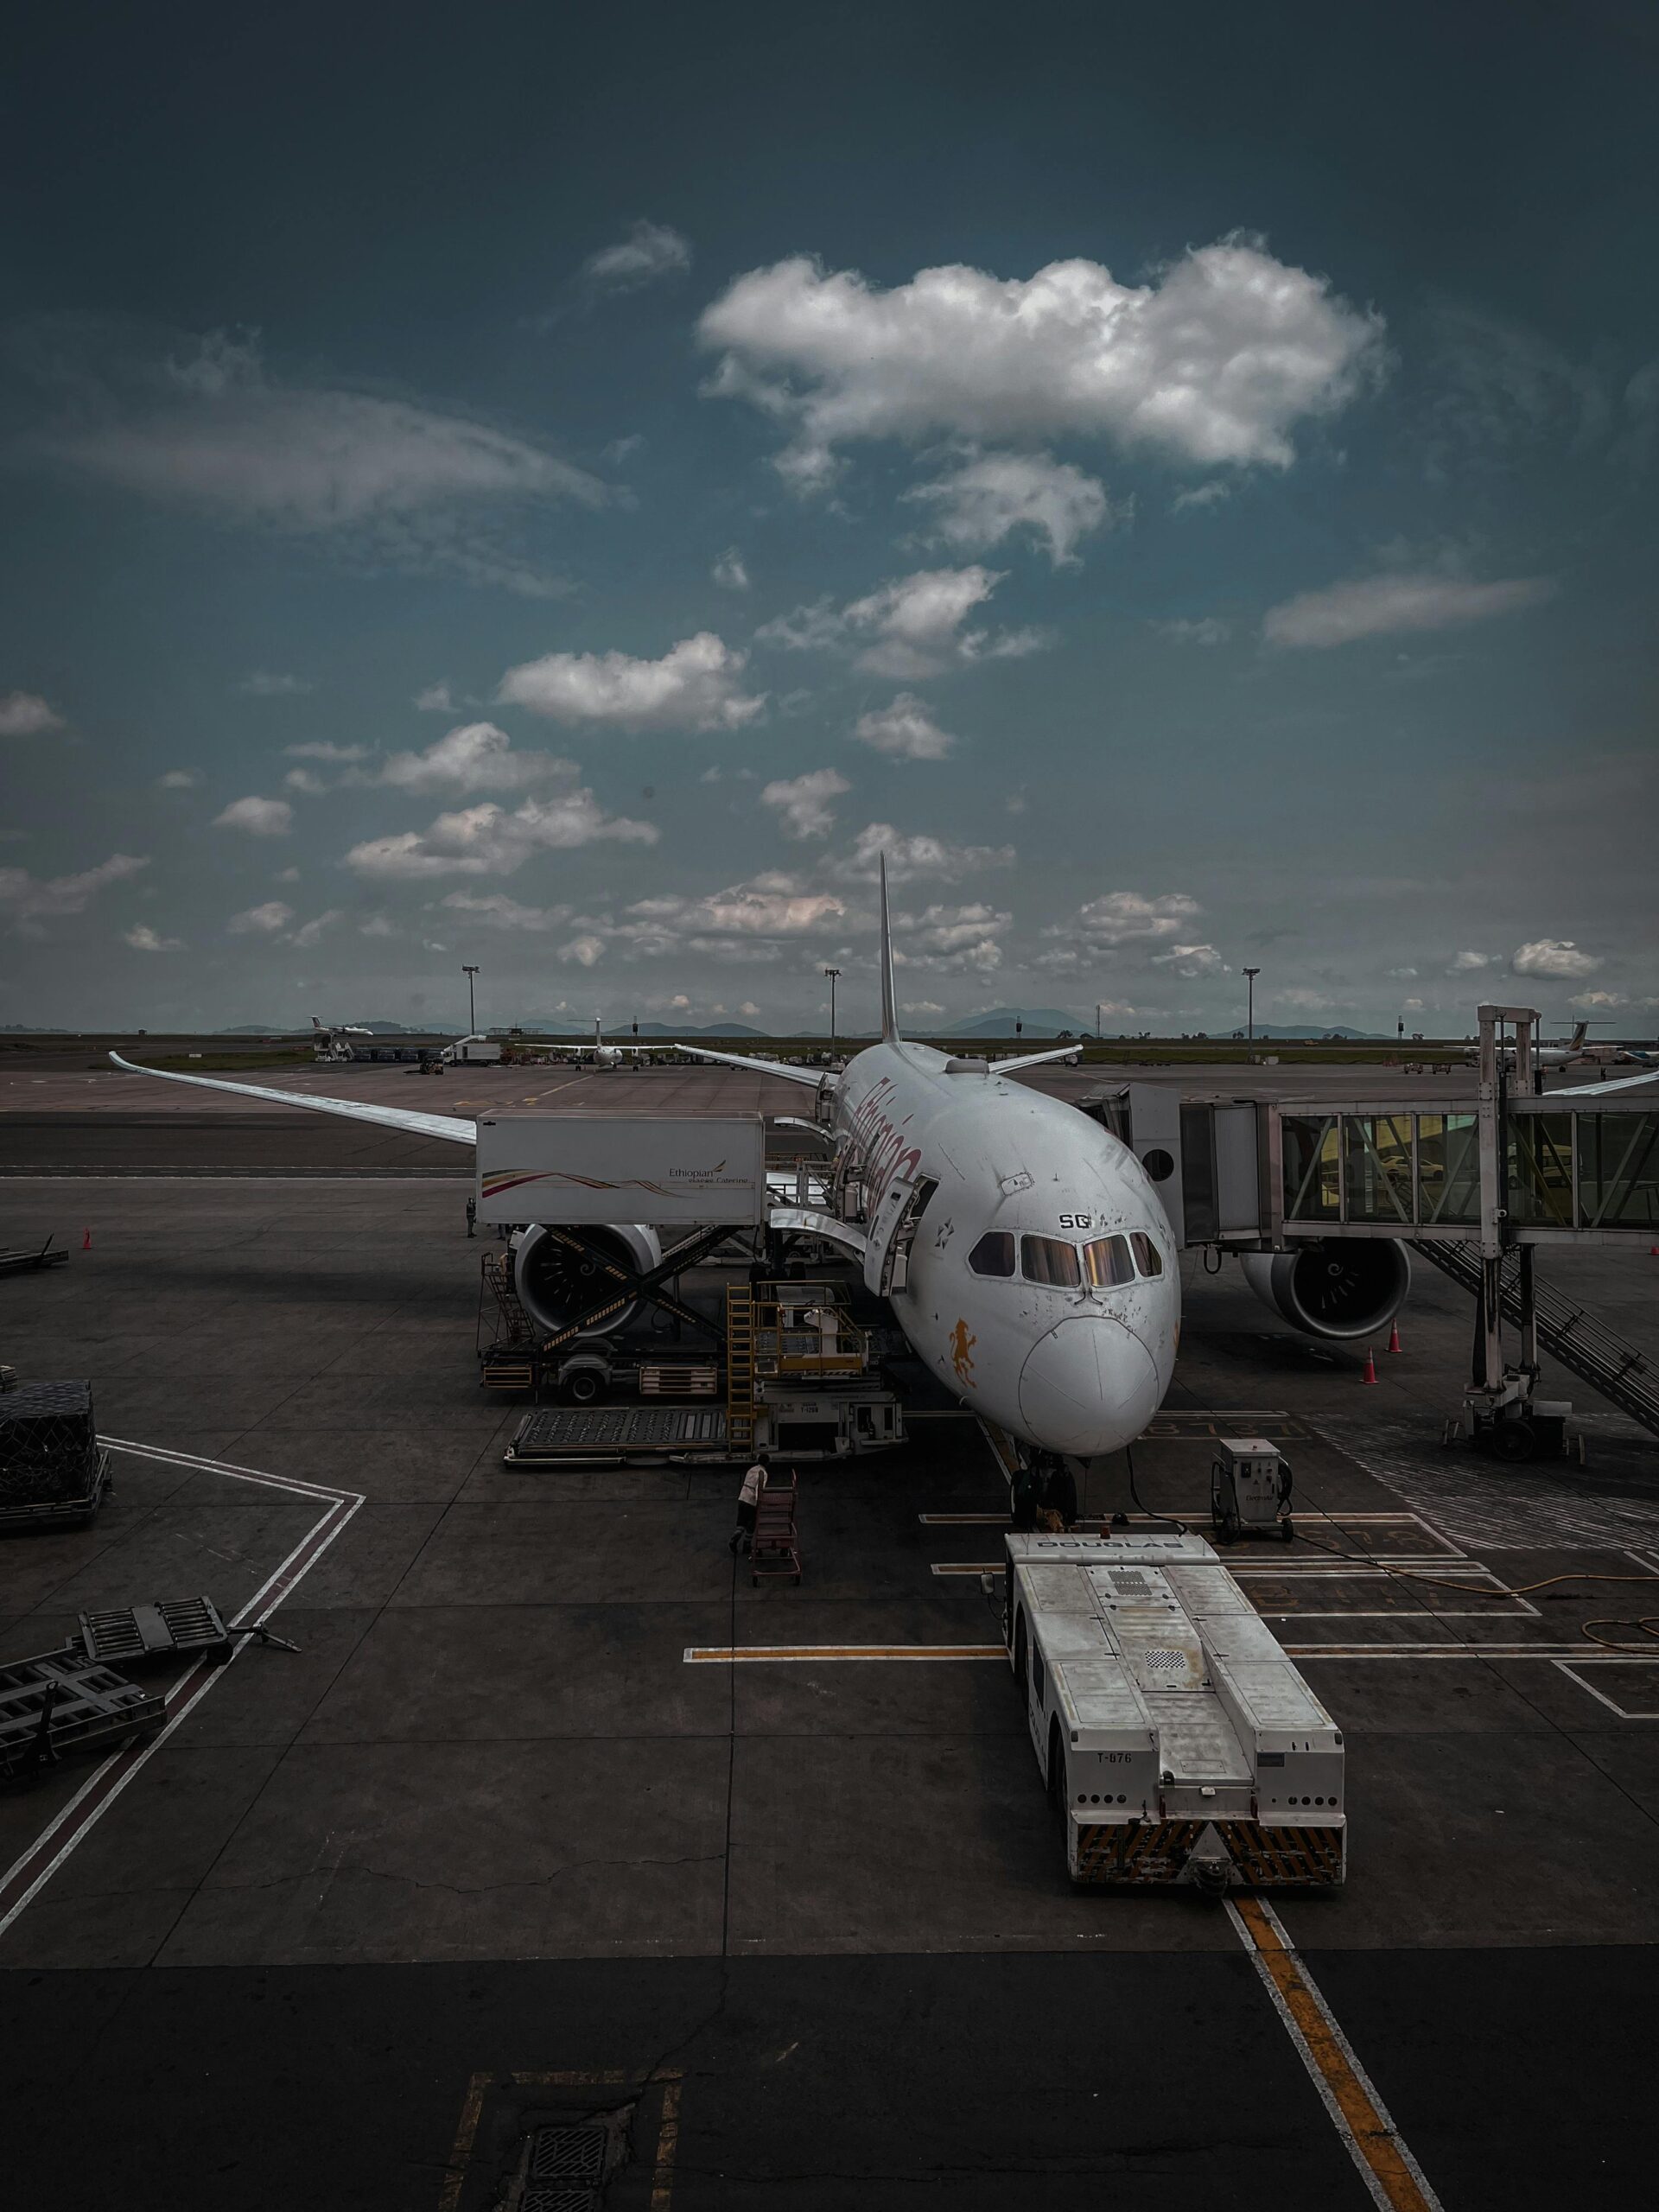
x,y
889,1012
1581,1029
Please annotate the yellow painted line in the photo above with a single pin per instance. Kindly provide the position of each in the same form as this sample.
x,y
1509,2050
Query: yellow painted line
x,y
668,2142
454,2174
1392,2175
727,1655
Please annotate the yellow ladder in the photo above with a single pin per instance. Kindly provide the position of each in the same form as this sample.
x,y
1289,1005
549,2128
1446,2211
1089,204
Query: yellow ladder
x,y
740,1367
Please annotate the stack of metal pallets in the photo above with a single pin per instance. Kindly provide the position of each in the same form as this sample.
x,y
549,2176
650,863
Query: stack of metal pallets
x,y
51,1467
73,1700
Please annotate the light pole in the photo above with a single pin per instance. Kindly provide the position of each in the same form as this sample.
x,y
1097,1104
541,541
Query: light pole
x,y
471,1007
1251,974
832,973
1098,1004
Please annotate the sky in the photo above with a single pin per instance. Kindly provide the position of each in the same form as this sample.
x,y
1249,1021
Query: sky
x,y
567,491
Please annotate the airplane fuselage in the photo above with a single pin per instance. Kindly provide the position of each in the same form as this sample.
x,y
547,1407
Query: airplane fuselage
x,y
1042,1283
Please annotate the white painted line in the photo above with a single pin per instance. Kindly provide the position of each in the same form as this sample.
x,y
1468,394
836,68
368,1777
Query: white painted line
x,y
782,1655
34,1868
1613,1659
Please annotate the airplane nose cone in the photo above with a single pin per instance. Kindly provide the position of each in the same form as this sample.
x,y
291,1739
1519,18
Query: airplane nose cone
x,y
1089,1386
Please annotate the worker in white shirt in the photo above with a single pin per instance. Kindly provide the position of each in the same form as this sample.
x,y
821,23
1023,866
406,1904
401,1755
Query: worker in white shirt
x,y
749,1500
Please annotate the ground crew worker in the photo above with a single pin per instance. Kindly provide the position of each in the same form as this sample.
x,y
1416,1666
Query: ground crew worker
x,y
748,1501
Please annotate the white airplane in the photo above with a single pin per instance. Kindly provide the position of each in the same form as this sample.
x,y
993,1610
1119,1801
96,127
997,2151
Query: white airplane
x,y
1563,1053
1026,1253
606,1056
328,1039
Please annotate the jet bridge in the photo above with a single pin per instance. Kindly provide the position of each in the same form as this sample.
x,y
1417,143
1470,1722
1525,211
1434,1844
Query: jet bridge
x,y
1474,1184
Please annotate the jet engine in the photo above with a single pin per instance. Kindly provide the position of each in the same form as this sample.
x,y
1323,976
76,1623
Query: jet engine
x,y
554,1282
1338,1287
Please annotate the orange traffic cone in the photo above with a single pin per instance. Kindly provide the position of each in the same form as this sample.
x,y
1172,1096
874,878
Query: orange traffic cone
x,y
1370,1376
1394,1337
86,1240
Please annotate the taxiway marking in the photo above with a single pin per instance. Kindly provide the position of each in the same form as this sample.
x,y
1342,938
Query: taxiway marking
x,y
29,1873
727,1655
1393,2178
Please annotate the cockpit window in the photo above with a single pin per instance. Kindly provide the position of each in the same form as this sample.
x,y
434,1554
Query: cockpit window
x,y
1107,1264
1147,1257
1045,1259
994,1254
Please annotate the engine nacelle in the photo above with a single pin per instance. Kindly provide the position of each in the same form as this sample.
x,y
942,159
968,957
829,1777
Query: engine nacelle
x,y
1338,1287
554,1282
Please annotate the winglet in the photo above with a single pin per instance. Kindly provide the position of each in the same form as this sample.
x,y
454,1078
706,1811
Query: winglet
x,y
889,1016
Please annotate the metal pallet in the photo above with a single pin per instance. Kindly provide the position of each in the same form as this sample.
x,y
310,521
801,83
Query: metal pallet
x,y
61,1701
171,1624
1569,1332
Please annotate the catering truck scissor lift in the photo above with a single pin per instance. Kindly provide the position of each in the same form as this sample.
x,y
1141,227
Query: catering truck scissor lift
x,y
1178,1742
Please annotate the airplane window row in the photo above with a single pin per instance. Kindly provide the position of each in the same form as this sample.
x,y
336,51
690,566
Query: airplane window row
x,y
1106,1264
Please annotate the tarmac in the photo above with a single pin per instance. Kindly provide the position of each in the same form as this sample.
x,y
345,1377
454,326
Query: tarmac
x,y
488,1854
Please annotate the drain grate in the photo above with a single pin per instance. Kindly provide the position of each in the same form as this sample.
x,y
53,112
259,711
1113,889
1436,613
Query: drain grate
x,y
1162,1660
565,2169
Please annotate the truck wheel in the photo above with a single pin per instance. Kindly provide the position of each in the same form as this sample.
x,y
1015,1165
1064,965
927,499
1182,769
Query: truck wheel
x,y
584,1387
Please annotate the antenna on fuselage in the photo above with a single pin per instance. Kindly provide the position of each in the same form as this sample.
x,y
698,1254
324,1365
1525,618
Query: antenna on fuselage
x,y
889,1016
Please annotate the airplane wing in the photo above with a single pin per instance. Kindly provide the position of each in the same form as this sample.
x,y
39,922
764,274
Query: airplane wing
x,y
813,1077
457,1129
1036,1060
1600,1089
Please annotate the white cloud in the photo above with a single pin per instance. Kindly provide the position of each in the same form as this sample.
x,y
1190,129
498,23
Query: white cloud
x,y
993,495
319,749
950,937
178,779
803,802
1186,503
746,920
1216,362
25,898
497,912
906,730
912,627
1412,1006
476,757
1192,960
1555,958
260,818
1299,998
143,938
1128,918
389,482
286,875
1470,963
25,713
306,780
262,685
263,921
1594,1001
1403,974
696,685
916,855
587,949
650,253
377,925
486,839
1204,630
1392,606
435,699
731,570
310,933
